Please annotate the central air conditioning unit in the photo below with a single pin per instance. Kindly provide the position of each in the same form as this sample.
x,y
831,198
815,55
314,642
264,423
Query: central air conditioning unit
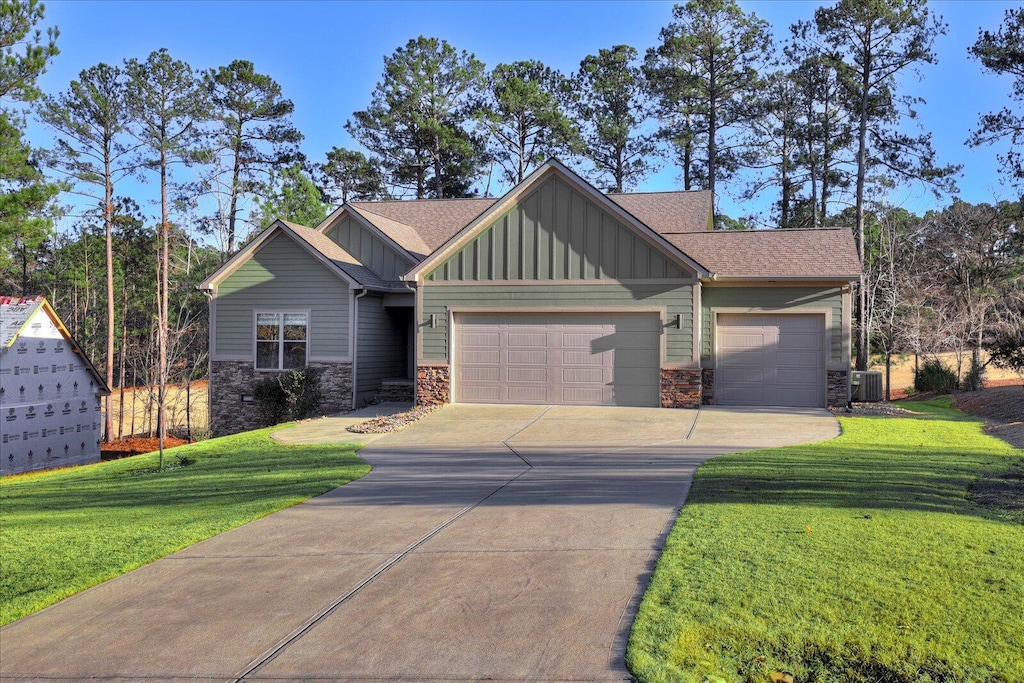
x,y
866,387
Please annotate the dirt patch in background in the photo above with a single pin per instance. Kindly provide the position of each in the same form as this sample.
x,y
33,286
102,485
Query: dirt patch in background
x,y
1001,406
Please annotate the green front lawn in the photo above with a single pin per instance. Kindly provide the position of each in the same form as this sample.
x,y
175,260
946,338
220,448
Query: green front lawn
x,y
63,531
871,557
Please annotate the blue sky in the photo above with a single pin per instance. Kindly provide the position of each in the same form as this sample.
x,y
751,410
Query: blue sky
x,y
328,56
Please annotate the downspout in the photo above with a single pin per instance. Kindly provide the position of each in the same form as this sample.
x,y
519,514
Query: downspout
x,y
355,342
208,293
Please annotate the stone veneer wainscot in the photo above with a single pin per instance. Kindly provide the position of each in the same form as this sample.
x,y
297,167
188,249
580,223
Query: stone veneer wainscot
x,y
680,388
433,385
230,380
838,388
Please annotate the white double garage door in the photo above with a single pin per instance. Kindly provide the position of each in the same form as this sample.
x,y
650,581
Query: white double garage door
x,y
615,359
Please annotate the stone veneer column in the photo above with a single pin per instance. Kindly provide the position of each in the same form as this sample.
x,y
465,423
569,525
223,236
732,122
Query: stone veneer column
x,y
707,386
680,388
838,388
230,380
433,385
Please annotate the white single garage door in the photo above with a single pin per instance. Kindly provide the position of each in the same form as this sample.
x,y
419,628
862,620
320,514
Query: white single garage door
x,y
770,360
558,359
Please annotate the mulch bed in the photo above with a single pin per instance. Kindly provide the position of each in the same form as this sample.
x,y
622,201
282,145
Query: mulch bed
x,y
136,445
391,423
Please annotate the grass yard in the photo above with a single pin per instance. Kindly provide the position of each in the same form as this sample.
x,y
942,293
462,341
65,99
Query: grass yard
x,y
64,531
882,555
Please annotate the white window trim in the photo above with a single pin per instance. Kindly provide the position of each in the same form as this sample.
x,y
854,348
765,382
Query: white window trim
x,y
280,345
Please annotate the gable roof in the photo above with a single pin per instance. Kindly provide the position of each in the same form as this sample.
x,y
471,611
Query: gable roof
x,y
813,254
330,254
551,167
15,313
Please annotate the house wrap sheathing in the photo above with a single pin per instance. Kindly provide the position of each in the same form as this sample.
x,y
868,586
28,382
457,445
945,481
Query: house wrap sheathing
x,y
49,391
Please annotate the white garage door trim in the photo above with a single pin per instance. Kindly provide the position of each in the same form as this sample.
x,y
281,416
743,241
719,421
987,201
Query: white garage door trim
x,y
819,381
549,371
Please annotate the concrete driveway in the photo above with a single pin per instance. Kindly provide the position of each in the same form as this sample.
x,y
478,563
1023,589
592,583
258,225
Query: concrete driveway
x,y
497,543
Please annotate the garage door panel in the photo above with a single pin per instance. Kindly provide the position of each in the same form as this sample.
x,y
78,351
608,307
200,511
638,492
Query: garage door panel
x,y
582,358
475,357
798,359
523,375
521,339
531,357
781,362
480,374
583,375
482,393
591,359
516,394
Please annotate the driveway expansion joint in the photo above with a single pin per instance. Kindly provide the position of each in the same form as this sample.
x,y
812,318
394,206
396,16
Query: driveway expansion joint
x,y
272,654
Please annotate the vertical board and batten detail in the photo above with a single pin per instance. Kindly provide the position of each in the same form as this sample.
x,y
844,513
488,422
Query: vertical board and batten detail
x,y
382,348
780,300
369,249
281,275
676,299
556,233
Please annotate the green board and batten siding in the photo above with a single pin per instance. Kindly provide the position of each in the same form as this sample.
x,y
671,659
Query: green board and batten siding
x,y
369,249
382,349
281,275
782,299
556,233
675,298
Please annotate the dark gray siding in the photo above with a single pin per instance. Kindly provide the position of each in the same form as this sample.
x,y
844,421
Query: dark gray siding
x,y
556,233
369,249
382,347
774,298
676,298
281,275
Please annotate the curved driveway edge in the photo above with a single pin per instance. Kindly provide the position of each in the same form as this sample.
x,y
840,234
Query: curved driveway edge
x,y
500,543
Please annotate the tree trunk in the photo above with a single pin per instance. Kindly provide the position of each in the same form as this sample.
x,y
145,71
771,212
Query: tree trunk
x,y
108,220
862,163
888,375
161,427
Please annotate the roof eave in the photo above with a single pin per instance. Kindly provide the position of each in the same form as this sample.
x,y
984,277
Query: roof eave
x,y
782,278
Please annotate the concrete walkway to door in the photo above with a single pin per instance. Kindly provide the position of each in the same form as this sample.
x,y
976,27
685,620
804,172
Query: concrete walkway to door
x,y
500,543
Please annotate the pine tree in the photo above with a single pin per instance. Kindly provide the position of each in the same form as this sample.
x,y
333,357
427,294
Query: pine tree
x,y
707,72
524,116
417,119
1002,53
251,131
25,194
611,108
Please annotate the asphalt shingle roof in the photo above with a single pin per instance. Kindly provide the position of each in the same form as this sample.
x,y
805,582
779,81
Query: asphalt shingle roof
x,y
404,235
433,220
345,261
668,211
826,253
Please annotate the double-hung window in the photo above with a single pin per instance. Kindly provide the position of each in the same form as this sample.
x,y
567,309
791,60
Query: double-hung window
x,y
282,340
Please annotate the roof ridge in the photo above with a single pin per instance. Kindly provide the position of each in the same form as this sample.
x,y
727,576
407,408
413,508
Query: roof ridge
x,y
393,220
425,199
748,232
